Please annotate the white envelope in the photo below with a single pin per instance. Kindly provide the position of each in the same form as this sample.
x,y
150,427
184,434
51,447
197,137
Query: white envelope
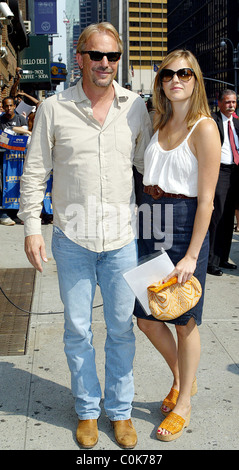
x,y
142,276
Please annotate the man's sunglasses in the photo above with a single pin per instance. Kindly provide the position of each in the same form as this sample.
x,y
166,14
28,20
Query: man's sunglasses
x,y
184,75
97,56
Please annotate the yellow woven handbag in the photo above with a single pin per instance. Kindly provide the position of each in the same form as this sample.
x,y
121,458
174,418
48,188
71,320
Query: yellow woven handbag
x,y
171,299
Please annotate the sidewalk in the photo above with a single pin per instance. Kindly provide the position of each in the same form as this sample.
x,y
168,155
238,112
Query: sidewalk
x,y
36,405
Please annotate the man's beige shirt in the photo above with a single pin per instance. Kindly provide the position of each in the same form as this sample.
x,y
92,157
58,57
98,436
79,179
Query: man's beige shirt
x,y
93,190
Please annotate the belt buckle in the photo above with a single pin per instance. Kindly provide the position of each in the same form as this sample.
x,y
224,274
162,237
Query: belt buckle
x,y
157,192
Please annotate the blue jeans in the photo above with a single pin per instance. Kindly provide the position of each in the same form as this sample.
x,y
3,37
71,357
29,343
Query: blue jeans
x,y
79,271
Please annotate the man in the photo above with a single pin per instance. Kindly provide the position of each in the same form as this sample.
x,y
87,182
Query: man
x,y
222,221
91,134
9,120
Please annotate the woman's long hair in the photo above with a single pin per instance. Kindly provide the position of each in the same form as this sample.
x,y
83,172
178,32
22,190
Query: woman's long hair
x,y
199,103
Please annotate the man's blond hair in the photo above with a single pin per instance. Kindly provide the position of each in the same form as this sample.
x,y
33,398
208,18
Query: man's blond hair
x,y
103,27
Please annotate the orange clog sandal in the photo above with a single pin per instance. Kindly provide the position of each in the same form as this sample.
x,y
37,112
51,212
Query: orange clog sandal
x,y
175,425
171,399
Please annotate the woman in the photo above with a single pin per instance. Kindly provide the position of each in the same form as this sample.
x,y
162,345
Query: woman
x,y
182,160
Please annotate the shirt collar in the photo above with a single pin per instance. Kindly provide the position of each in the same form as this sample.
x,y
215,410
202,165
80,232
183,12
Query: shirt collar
x,y
120,93
225,118
78,94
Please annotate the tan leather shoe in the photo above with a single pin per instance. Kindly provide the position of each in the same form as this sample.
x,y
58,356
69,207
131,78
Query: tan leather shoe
x,y
125,433
87,433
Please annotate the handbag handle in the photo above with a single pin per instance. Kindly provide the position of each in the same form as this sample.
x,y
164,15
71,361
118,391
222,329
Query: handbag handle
x,y
158,288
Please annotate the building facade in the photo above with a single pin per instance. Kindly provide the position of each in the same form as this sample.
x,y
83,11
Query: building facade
x,y
13,39
93,11
201,27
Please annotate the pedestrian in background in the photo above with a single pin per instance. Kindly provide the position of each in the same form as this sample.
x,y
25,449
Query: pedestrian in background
x,y
226,195
91,135
181,170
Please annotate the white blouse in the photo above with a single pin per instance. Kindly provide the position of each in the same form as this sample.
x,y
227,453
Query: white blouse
x,y
174,171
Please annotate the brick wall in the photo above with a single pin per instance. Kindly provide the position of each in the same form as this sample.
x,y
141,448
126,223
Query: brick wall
x,y
8,63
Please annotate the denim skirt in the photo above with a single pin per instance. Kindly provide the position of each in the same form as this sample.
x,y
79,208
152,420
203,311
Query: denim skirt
x,y
168,223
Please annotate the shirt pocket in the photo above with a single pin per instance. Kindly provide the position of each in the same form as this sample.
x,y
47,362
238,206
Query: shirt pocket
x,y
125,140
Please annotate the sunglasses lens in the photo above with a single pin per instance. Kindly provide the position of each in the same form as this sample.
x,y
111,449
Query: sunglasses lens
x,y
166,75
185,74
113,56
97,56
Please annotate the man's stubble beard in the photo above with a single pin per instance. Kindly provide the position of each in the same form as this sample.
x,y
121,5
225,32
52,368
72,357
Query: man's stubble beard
x,y
102,82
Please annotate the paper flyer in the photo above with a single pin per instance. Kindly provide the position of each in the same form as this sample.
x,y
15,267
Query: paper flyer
x,y
142,276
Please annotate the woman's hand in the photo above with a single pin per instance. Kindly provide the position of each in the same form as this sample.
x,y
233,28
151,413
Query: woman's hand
x,y
183,270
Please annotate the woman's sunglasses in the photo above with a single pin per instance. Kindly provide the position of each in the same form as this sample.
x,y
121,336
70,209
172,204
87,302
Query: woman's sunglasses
x,y
97,56
166,75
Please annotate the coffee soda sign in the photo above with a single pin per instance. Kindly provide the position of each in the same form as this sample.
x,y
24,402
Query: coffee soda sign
x,y
35,60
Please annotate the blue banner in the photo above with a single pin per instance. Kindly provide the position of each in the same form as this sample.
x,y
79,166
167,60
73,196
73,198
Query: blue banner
x,y
47,202
12,170
45,17
13,162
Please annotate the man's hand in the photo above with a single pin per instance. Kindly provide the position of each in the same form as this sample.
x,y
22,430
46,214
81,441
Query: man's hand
x,y
35,251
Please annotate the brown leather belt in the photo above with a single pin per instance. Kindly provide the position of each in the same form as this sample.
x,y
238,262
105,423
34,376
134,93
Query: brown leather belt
x,y
156,192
